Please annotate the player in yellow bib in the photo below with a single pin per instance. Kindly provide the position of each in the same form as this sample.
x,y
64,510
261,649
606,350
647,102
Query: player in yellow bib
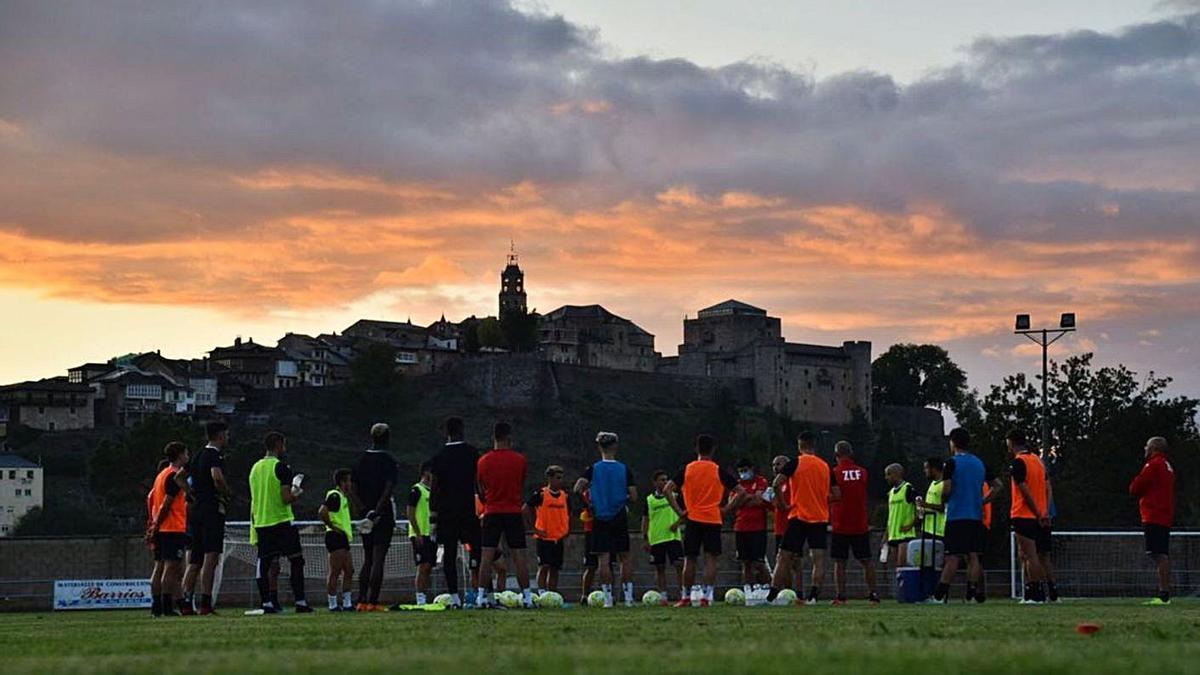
x,y
339,532
661,537
273,490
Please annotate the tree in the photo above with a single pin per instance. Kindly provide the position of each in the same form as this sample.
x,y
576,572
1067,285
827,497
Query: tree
x,y
122,468
520,330
491,334
1100,419
374,381
917,375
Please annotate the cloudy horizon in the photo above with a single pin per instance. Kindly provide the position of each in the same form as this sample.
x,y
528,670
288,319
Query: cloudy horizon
x,y
176,176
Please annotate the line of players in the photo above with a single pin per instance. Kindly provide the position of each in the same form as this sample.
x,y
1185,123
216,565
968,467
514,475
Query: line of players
x,y
479,501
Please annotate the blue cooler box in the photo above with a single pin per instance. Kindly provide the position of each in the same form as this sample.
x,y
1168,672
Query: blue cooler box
x,y
915,584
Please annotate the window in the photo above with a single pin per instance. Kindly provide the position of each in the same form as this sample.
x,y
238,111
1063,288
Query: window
x,y
41,410
29,473
72,411
51,426
28,493
12,475
16,493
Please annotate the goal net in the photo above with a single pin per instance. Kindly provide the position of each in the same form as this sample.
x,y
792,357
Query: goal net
x,y
235,575
1094,564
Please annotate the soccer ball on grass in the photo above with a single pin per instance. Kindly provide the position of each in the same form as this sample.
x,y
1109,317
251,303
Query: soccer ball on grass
x,y
595,599
786,597
652,598
445,600
735,596
550,600
509,599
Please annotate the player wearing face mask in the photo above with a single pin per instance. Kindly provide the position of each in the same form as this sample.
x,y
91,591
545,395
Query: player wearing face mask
x,y
750,528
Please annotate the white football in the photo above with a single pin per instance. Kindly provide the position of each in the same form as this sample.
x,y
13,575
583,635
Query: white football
x,y
595,599
652,598
786,597
735,596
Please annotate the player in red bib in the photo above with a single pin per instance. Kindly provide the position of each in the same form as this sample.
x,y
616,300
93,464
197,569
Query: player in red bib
x,y
848,514
750,527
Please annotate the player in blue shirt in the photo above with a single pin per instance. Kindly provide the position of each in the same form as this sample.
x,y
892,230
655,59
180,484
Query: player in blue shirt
x,y
963,477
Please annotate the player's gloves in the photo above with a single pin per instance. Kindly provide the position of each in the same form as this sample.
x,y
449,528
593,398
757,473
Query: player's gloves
x,y
372,516
365,526
297,482
768,495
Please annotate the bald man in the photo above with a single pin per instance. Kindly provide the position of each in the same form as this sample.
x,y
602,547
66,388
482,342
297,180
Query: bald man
x,y
1154,486
902,514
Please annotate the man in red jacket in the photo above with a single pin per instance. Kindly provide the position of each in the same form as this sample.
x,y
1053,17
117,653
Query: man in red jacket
x,y
1154,486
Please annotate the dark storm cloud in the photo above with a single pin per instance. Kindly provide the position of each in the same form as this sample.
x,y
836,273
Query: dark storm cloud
x,y
1029,135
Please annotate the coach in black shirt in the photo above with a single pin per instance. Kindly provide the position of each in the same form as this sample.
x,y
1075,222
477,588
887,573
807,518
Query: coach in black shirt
x,y
373,478
453,500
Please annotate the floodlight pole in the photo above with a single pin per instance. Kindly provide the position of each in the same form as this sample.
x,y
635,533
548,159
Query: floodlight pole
x,y
1042,336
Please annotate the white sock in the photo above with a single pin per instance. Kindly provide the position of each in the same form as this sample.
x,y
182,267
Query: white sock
x,y
628,588
333,601
746,589
607,588
420,598
455,600
697,592
708,593
527,596
302,603
346,601
481,597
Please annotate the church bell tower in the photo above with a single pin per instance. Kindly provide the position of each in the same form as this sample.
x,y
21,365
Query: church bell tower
x,y
512,286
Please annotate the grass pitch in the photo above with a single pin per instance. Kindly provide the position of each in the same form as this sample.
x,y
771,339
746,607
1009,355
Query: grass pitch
x,y
998,637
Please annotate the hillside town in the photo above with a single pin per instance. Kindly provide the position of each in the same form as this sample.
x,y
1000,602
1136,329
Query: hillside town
x,y
731,339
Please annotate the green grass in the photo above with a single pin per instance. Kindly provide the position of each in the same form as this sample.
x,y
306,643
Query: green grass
x,y
998,637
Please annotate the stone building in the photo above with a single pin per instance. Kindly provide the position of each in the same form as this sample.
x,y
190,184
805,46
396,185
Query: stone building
x,y
53,404
821,384
593,336
256,366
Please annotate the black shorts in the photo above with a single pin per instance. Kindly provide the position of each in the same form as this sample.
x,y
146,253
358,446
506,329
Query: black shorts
x,y
206,528
169,546
666,551
424,555
842,545
1158,539
900,542
454,530
1031,529
509,526
751,546
380,535
801,533
550,553
279,540
963,537
591,558
336,541
611,536
698,536
778,544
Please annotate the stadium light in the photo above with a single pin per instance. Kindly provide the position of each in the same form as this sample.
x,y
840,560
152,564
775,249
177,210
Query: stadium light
x,y
1045,337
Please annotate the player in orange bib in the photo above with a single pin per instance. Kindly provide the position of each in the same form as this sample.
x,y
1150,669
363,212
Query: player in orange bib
x,y
167,530
551,519
810,488
703,485
1030,515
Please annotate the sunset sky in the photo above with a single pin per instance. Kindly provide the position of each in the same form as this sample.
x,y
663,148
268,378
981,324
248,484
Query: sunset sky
x,y
176,174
